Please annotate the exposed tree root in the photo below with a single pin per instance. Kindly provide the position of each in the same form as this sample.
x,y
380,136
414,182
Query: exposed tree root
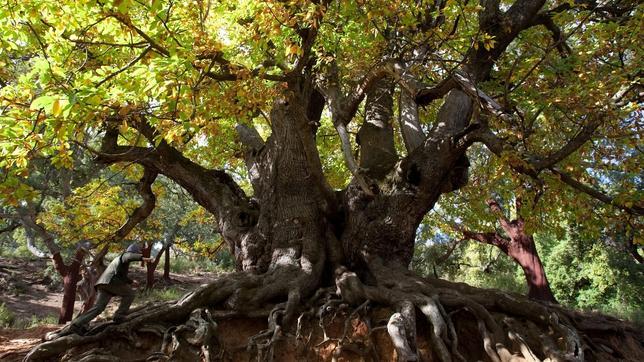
x,y
427,320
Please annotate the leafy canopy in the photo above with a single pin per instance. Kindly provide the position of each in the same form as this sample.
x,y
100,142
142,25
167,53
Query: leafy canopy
x,y
197,68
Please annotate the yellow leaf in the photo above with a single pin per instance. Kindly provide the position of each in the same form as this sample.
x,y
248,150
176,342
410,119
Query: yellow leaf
x,y
293,49
55,109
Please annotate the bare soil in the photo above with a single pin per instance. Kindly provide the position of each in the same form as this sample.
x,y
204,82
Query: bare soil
x,y
30,293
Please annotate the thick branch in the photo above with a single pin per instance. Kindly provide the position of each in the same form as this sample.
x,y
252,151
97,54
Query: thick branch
x,y
567,179
409,120
257,72
496,210
215,190
376,136
571,146
142,212
28,220
488,238
427,95
352,165
31,244
253,144
344,107
545,19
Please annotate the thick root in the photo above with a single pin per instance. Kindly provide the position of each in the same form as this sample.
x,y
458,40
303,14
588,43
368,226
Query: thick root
x,y
401,317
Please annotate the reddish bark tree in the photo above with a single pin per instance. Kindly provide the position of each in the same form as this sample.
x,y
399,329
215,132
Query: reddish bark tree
x,y
521,248
70,273
71,276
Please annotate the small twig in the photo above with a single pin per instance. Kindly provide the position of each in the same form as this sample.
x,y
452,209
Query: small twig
x,y
128,65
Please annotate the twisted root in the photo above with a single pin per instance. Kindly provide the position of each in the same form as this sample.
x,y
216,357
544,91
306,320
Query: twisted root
x,y
465,323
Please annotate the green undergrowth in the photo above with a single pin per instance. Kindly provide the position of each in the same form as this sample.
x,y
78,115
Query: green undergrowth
x,y
6,316
9,320
591,277
183,264
161,294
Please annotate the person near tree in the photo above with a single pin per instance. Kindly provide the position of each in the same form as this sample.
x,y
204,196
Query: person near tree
x,y
114,282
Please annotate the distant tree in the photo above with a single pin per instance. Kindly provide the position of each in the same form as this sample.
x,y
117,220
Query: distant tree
x,y
72,213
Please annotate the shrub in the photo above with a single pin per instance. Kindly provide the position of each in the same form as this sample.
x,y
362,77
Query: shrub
x,y
6,316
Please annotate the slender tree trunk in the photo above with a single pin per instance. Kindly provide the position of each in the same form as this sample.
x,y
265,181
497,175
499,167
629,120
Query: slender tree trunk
x,y
524,251
146,251
519,246
86,288
69,297
71,276
152,267
166,265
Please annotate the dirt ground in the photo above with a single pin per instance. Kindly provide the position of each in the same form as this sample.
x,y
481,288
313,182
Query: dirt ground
x,y
29,293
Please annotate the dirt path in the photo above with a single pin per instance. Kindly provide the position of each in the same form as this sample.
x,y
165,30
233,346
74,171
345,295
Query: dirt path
x,y
31,295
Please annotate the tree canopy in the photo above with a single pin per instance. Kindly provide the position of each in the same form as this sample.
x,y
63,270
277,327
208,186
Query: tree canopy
x,y
567,85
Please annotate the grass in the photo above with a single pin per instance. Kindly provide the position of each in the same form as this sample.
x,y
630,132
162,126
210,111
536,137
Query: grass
x,y
6,316
35,321
164,294
9,320
181,264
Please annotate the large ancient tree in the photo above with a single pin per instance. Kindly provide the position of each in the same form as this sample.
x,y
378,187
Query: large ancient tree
x,y
189,90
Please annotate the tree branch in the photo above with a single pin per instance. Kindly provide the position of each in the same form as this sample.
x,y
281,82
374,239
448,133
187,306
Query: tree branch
x,y
145,209
487,238
27,217
567,179
496,210
213,189
128,65
427,95
571,146
545,19
409,121
257,72
352,165
128,23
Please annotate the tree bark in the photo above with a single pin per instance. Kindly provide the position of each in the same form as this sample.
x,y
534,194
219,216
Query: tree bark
x,y
376,136
89,276
524,252
151,267
408,118
166,265
521,248
71,276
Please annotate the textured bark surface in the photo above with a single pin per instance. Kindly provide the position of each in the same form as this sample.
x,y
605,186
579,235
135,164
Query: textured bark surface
x,y
69,295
